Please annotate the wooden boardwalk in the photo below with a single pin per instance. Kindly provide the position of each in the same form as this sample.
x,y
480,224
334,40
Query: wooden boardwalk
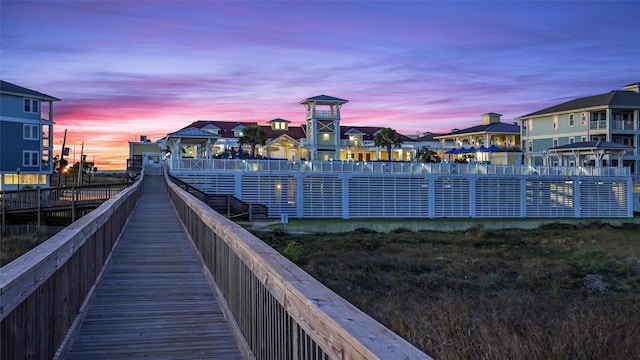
x,y
154,301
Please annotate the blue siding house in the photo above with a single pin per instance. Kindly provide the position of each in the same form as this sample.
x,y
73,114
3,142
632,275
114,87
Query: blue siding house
x,y
26,137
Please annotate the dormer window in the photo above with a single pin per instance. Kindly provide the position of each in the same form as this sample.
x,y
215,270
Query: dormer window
x,y
238,131
279,124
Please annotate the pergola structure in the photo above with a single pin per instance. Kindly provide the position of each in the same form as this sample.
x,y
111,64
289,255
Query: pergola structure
x,y
581,151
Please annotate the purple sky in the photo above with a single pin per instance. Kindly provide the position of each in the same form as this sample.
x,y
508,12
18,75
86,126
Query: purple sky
x,y
130,68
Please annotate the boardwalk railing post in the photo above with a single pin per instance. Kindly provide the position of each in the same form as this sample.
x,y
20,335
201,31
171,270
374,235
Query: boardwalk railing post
x,y
39,205
73,204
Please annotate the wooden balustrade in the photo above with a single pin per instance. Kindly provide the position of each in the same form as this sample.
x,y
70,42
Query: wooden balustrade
x,y
282,312
42,292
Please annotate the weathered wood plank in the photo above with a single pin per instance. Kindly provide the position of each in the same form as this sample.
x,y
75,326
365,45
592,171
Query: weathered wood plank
x,y
154,301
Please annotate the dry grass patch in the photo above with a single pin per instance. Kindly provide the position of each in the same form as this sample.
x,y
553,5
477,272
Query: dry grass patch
x,y
560,291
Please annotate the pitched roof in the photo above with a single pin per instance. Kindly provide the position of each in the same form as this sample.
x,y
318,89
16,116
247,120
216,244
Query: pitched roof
x,y
278,120
428,136
497,127
614,98
591,145
193,133
225,128
294,132
368,132
323,99
12,89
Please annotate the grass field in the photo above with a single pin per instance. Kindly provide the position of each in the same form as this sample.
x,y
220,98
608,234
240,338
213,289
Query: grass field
x,y
556,292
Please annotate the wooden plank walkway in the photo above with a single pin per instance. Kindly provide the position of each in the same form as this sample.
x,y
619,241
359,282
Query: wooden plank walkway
x,y
154,301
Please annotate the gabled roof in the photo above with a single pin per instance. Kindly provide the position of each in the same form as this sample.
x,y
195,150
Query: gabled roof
x,y
324,99
368,132
278,120
192,132
294,132
497,127
615,98
354,131
210,126
225,128
428,137
12,89
592,145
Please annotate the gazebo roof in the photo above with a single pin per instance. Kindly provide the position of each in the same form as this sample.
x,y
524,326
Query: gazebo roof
x,y
591,146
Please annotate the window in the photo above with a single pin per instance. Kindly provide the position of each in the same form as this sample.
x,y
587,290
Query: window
x,y
572,120
30,158
572,140
530,126
583,139
530,146
31,106
31,132
584,119
555,142
555,122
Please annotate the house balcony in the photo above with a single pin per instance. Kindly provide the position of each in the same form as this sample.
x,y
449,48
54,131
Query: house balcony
x,y
323,114
309,144
598,125
622,125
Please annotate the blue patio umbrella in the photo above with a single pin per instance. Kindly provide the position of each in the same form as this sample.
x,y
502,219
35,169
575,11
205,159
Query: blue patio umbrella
x,y
522,159
482,148
470,150
453,151
233,153
493,148
240,152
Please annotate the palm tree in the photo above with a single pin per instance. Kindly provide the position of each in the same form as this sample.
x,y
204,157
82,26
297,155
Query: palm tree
x,y
387,138
253,135
428,155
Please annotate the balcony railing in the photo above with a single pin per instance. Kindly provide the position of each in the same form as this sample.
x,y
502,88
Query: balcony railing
x,y
446,168
598,125
323,114
622,125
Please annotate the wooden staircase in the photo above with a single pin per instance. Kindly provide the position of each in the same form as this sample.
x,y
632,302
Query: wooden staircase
x,y
225,204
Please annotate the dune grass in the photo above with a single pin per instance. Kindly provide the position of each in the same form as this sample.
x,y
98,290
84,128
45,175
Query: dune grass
x,y
556,292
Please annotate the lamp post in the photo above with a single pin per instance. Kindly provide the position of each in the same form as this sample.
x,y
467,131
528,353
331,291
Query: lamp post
x,y
18,171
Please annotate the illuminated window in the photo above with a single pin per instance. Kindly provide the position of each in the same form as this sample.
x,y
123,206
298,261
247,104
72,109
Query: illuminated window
x,y
572,120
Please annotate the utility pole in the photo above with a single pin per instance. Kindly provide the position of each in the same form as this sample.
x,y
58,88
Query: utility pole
x,y
64,142
80,165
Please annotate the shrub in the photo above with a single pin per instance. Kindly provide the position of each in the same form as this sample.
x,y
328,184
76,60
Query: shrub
x,y
295,252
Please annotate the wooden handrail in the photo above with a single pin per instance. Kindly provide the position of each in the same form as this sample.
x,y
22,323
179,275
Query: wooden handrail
x,y
42,291
283,312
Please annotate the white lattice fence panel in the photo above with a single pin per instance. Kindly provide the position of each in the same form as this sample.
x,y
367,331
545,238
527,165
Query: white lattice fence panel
x,y
388,197
550,198
452,197
278,193
498,197
603,198
322,196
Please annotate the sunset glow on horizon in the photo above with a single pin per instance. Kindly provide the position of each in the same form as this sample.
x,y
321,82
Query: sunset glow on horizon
x,y
129,68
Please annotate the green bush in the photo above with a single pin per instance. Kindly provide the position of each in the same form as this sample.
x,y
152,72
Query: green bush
x,y
295,252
